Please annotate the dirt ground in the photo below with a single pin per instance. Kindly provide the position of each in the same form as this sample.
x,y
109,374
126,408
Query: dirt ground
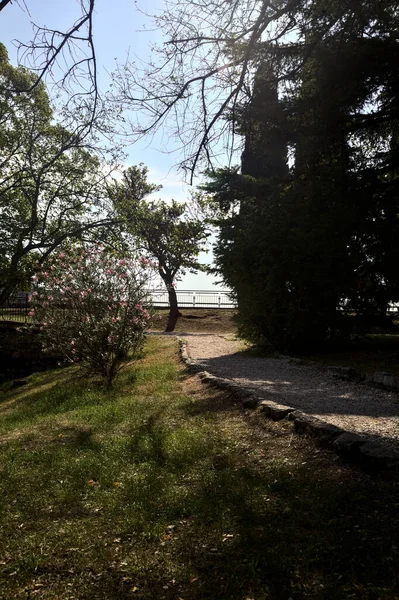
x,y
205,320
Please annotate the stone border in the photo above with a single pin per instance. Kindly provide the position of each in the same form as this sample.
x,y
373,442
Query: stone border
x,y
386,380
347,443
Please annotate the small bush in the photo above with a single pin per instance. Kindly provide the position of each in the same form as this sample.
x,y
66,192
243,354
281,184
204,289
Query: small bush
x,y
93,308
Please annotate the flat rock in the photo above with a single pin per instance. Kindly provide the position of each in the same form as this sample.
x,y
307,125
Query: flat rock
x,y
349,442
214,381
242,392
314,426
208,378
342,372
379,376
251,401
226,384
296,415
380,454
203,374
193,366
233,387
273,410
391,382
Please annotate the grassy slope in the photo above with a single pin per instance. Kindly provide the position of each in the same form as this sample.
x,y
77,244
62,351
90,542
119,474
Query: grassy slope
x,y
164,489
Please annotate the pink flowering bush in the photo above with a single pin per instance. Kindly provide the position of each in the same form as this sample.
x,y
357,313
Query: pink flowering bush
x,y
93,308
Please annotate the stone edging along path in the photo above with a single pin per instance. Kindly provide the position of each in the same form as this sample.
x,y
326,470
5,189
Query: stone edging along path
x,y
347,443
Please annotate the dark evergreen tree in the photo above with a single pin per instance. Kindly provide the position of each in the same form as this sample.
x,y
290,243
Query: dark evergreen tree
x,y
315,223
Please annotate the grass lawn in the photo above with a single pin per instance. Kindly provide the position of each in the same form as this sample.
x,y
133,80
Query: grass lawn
x,y
163,489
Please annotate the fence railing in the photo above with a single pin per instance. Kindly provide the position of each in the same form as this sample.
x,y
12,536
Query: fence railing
x,y
15,309
195,299
18,307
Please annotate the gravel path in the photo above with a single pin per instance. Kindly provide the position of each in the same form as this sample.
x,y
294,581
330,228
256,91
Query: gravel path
x,y
352,406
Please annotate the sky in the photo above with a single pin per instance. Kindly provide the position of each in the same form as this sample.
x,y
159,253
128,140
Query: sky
x,y
119,29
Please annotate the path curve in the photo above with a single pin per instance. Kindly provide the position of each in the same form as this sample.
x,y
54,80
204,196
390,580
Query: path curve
x,y
353,406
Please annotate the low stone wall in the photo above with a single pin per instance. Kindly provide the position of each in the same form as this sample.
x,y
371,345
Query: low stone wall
x,y
352,445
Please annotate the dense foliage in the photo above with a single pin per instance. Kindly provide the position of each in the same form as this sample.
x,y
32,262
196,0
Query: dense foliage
x,y
314,222
93,308
51,181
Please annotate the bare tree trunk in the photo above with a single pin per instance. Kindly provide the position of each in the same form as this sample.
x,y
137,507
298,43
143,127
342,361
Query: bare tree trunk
x,y
174,312
6,292
11,280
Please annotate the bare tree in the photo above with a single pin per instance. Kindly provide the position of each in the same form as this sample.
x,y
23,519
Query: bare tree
x,y
203,72
202,76
66,61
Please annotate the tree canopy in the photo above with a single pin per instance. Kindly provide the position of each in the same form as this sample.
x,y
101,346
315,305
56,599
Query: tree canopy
x,y
51,184
164,230
203,72
308,91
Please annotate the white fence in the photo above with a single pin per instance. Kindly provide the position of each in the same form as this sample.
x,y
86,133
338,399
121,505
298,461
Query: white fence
x,y
195,299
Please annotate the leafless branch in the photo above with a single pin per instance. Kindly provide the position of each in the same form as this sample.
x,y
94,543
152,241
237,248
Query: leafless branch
x,y
203,72
4,3
66,60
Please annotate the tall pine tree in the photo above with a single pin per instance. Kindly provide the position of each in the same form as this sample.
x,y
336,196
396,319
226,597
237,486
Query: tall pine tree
x,y
316,219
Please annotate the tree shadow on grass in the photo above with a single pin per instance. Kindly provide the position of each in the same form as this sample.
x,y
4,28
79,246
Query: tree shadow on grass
x,y
147,442
220,402
279,533
78,437
204,520
203,512
285,528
